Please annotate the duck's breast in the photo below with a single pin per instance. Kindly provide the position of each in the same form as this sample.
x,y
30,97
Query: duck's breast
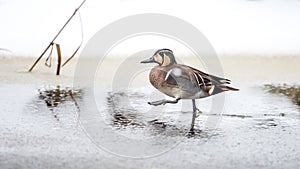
x,y
157,76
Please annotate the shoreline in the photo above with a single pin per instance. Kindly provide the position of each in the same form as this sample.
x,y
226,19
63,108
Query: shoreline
x,y
245,70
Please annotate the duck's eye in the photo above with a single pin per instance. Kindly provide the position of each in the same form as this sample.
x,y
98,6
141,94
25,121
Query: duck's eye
x,y
161,54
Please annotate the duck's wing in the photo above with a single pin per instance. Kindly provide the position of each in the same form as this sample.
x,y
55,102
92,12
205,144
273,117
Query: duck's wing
x,y
190,81
207,79
183,78
212,84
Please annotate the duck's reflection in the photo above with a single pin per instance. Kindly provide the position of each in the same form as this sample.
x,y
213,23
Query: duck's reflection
x,y
124,116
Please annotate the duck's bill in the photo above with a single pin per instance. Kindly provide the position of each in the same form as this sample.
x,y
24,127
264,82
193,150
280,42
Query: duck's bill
x,y
150,60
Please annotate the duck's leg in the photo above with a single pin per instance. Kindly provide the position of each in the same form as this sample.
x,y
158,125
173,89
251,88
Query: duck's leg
x,y
163,102
194,115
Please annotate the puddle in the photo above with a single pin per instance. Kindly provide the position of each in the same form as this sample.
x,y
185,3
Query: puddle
x,y
124,112
56,96
124,115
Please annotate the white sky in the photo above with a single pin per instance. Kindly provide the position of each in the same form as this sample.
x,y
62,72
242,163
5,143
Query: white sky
x,y
232,26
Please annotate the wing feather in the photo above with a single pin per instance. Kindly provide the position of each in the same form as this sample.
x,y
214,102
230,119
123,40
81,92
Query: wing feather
x,y
190,81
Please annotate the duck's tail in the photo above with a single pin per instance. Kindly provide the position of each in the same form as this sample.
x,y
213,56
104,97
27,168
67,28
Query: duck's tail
x,y
229,88
215,89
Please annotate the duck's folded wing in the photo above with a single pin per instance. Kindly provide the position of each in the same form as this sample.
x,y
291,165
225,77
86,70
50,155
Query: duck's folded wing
x,y
212,84
183,78
207,78
190,81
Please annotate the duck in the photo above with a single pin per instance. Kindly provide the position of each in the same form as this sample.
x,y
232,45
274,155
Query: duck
x,y
181,81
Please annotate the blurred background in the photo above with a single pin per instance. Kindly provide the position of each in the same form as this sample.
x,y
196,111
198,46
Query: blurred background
x,y
265,27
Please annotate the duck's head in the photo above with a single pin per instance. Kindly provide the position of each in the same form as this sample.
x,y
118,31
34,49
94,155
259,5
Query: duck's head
x,y
164,57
